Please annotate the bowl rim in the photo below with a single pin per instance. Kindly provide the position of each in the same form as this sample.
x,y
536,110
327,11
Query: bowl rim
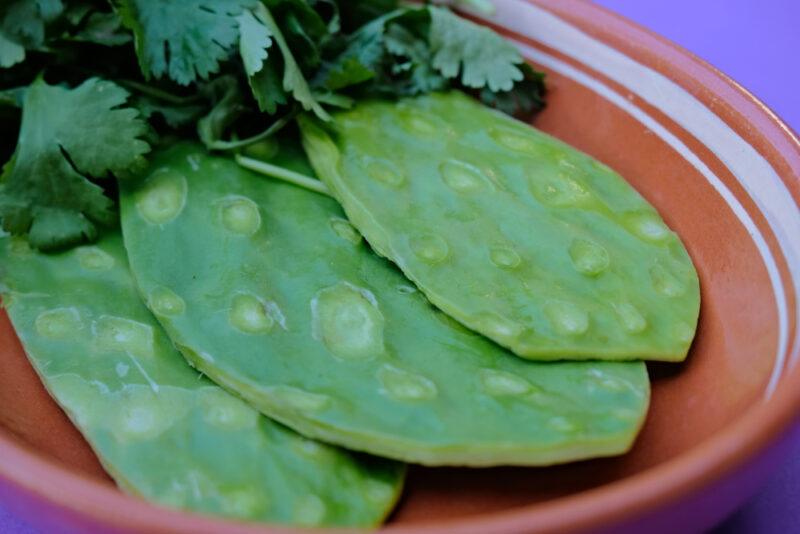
x,y
614,503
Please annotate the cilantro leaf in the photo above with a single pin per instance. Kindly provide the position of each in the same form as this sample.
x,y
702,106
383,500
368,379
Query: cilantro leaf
x,y
303,29
13,97
26,20
184,39
267,87
526,96
293,54
11,52
304,46
482,57
336,100
359,61
77,10
294,82
22,26
356,14
419,75
254,41
68,135
346,71
103,29
414,50
175,115
258,30
333,18
407,40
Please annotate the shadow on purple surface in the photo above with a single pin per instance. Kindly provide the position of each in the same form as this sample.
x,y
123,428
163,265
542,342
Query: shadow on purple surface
x,y
9,524
775,509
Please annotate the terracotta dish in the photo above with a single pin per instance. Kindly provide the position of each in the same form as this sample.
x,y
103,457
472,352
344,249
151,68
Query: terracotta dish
x,y
725,173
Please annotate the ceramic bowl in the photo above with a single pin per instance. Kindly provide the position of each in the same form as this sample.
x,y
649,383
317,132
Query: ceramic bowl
x,y
724,172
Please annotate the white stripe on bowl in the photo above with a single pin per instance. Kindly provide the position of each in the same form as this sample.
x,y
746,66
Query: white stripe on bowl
x,y
755,174
651,124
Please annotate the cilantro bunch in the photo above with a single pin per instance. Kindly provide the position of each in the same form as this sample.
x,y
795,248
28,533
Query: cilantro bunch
x,y
91,85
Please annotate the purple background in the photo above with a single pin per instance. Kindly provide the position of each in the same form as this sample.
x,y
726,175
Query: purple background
x,y
756,43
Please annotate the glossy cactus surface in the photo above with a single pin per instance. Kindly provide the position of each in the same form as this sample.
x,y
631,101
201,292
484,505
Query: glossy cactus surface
x,y
282,301
161,429
513,233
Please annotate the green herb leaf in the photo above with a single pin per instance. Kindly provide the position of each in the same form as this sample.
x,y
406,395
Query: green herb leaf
x,y
254,41
359,61
262,69
11,52
293,54
356,14
104,29
333,19
302,27
294,82
346,71
336,100
267,86
13,97
304,47
184,39
415,63
66,137
22,26
175,115
482,57
525,97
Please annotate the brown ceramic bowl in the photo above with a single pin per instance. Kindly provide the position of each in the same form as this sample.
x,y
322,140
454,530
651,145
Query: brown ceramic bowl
x,y
721,168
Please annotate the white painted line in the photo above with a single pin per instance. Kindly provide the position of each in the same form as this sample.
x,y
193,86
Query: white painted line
x,y
737,208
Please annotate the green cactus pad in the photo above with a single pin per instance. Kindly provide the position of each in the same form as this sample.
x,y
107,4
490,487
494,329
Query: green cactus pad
x,y
510,231
161,429
284,303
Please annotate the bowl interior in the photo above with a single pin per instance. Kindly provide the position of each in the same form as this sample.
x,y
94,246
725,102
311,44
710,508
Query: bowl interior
x,y
730,366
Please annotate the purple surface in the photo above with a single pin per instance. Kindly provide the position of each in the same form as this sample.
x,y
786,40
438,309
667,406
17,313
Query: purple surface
x,y
10,524
755,42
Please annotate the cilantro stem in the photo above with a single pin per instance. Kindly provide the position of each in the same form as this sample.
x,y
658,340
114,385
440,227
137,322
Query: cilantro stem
x,y
158,93
273,171
273,129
